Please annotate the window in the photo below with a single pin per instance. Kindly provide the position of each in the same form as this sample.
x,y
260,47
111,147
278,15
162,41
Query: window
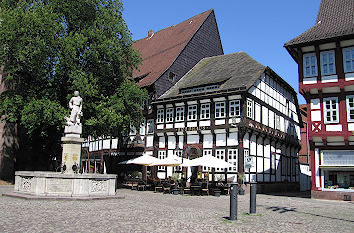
x,y
250,108
350,108
277,122
330,110
327,63
219,109
200,89
207,152
150,126
234,108
310,65
171,76
192,112
348,59
232,153
162,155
180,113
220,154
169,115
160,113
205,111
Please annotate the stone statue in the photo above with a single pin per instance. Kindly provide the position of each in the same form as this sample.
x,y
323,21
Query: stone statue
x,y
75,104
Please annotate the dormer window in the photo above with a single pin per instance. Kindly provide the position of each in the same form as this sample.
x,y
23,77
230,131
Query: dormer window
x,y
171,76
200,89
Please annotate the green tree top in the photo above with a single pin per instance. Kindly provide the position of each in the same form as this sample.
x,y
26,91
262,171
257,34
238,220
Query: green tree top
x,y
49,48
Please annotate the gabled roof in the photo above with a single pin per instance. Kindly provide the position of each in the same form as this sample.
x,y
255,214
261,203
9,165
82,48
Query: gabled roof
x,y
231,71
335,18
161,50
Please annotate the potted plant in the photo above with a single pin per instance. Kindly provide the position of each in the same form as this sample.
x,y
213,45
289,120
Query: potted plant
x,y
176,180
241,180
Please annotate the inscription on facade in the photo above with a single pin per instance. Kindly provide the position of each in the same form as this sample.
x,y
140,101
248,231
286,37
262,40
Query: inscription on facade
x,y
99,186
193,128
59,185
265,129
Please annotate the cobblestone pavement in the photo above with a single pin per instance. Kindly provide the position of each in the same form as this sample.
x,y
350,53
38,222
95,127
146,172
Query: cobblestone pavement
x,y
156,212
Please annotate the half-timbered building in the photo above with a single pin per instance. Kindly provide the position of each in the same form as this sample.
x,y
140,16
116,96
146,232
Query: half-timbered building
x,y
325,57
235,109
167,55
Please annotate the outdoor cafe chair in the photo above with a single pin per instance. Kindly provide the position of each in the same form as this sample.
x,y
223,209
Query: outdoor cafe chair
x,y
205,189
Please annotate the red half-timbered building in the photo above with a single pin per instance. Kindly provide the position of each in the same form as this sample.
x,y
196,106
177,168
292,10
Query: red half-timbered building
x,y
325,57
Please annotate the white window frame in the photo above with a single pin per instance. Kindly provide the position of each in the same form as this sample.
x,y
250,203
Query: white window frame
x,y
169,114
179,113
234,108
162,155
326,63
250,108
220,109
350,98
220,154
192,112
331,110
348,68
232,158
311,65
160,115
207,152
205,111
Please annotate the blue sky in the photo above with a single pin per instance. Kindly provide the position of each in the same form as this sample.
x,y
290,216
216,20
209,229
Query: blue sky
x,y
257,27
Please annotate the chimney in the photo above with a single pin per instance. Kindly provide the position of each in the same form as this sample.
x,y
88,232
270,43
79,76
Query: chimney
x,y
150,33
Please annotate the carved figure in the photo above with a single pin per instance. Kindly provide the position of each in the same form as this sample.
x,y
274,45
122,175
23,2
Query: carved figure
x,y
75,104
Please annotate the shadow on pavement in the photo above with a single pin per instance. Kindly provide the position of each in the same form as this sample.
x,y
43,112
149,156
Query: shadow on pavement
x,y
282,210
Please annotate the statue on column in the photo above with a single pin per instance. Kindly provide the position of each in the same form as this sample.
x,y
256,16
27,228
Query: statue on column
x,y
75,104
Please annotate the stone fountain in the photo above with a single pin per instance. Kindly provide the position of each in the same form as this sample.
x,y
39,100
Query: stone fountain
x,y
68,183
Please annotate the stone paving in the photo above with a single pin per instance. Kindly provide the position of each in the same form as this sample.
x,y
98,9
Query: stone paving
x,y
156,212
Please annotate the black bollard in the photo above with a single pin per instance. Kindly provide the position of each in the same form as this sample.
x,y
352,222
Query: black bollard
x,y
253,197
233,201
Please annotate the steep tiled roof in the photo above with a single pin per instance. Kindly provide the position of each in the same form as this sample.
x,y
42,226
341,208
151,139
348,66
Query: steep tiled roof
x,y
335,18
236,70
159,51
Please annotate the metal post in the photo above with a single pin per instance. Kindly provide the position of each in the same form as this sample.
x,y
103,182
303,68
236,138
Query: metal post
x,y
253,197
233,201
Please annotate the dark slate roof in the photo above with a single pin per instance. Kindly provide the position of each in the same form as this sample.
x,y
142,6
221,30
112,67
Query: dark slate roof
x,y
335,18
232,71
162,49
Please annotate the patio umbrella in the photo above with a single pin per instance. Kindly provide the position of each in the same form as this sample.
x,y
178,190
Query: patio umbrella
x,y
169,161
142,160
211,161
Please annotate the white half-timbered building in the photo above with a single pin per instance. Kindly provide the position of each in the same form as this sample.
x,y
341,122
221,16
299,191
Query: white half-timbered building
x,y
235,109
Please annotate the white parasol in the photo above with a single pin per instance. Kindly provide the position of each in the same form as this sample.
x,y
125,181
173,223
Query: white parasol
x,y
142,160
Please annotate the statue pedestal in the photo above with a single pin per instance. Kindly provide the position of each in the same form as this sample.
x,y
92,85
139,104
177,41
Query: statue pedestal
x,y
72,148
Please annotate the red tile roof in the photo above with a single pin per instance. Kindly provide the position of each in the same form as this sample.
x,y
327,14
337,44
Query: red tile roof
x,y
162,49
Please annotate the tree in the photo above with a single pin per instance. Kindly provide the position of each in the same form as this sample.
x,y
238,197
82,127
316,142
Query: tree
x,y
49,49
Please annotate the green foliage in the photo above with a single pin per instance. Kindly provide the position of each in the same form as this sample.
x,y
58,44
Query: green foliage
x,y
49,48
